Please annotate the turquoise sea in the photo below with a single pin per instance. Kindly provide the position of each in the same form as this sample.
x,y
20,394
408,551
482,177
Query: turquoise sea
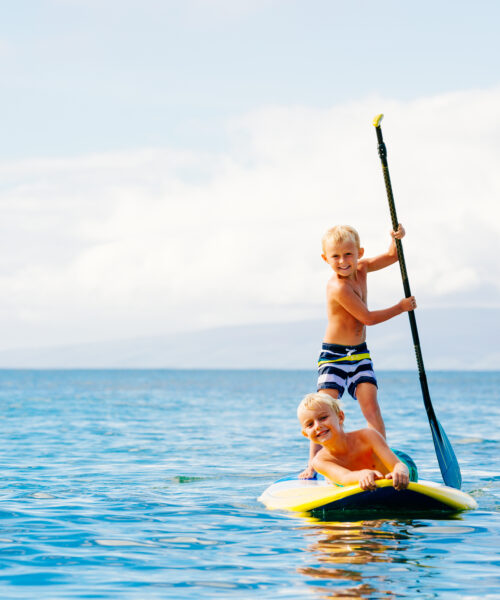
x,y
144,484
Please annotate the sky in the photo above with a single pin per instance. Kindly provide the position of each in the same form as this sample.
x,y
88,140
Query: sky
x,y
168,166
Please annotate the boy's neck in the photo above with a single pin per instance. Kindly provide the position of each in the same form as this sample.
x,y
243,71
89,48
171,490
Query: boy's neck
x,y
339,445
351,277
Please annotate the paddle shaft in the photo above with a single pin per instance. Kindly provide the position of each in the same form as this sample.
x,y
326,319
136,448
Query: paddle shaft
x,y
382,150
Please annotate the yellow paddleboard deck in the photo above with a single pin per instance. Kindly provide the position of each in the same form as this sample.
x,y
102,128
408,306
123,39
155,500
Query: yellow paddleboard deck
x,y
319,496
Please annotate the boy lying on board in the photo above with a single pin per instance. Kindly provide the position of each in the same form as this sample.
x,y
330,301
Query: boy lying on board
x,y
345,362
350,457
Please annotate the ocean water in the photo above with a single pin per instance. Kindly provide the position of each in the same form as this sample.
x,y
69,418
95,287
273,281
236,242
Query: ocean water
x,y
144,484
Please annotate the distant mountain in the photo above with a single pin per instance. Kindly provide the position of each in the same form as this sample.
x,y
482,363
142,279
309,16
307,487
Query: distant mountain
x,y
450,339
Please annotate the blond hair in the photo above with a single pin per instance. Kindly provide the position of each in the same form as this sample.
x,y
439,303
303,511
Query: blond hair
x,y
314,400
340,234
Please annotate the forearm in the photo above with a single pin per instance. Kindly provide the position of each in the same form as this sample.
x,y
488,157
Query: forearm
x,y
373,317
389,257
351,477
346,477
392,252
313,450
366,478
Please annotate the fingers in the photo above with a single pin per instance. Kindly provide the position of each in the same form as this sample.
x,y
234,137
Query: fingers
x,y
408,303
400,479
367,481
401,482
399,233
367,484
307,473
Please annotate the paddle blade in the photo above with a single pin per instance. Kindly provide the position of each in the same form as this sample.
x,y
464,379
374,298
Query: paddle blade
x,y
447,460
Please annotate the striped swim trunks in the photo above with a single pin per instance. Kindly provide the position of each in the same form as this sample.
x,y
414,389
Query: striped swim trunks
x,y
341,367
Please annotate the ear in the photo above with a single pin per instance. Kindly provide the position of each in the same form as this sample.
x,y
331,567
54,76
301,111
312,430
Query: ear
x,y
305,434
361,251
341,417
323,256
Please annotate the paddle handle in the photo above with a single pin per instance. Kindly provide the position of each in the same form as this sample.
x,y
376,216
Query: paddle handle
x,y
382,151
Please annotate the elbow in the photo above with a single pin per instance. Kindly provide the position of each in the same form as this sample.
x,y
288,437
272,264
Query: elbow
x,y
393,257
369,320
344,480
314,464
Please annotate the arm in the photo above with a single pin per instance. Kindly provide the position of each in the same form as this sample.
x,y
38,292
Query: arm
x,y
308,472
400,476
398,470
330,469
352,303
388,258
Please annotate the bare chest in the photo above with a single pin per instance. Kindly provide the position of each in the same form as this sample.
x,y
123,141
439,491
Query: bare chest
x,y
355,461
358,285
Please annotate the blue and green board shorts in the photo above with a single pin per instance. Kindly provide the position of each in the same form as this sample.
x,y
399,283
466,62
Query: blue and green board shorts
x,y
408,461
341,367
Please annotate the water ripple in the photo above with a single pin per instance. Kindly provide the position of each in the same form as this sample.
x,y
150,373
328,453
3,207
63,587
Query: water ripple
x,y
137,484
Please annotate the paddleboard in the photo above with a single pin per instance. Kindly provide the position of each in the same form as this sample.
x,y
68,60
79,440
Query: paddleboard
x,y
319,496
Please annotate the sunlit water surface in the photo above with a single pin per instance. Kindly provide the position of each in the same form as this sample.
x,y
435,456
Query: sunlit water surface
x,y
144,484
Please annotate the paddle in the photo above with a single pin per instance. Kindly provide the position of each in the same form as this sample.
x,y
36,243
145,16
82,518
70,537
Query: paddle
x,y
446,456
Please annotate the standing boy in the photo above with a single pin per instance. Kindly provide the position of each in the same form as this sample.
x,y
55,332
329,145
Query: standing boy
x,y
345,360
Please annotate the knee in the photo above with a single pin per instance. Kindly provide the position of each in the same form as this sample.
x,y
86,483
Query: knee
x,y
330,392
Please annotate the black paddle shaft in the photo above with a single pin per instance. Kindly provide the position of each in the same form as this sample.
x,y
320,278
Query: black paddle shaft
x,y
382,150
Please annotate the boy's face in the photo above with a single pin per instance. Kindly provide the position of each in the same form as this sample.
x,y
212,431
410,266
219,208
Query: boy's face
x,y
320,423
343,257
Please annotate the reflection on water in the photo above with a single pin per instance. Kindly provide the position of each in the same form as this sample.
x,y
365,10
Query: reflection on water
x,y
339,549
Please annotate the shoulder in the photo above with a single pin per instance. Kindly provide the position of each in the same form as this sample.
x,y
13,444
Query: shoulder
x,y
322,457
333,281
369,436
337,286
363,264
334,286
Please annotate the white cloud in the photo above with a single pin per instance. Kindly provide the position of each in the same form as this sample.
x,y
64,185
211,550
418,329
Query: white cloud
x,y
125,244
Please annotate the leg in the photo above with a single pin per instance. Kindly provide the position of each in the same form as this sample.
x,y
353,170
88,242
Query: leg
x,y
330,392
366,393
